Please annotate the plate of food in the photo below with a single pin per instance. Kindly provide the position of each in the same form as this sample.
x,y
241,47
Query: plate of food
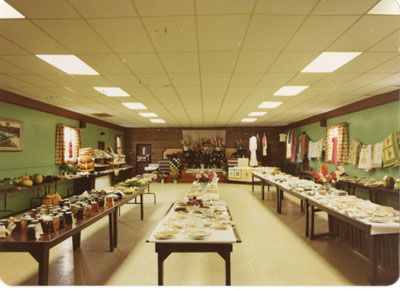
x,y
199,234
219,226
165,234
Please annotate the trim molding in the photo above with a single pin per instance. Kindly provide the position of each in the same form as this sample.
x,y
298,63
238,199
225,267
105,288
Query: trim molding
x,y
350,108
16,99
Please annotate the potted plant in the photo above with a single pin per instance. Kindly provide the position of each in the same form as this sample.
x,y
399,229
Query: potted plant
x,y
175,176
203,178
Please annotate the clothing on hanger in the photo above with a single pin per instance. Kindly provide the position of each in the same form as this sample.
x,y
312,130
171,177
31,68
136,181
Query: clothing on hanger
x,y
253,149
264,145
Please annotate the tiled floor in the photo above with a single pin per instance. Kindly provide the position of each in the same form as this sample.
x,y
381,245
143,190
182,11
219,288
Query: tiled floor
x,y
274,249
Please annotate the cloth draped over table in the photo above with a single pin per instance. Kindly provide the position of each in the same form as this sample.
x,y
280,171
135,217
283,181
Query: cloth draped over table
x,y
391,150
354,152
339,131
72,148
365,162
253,149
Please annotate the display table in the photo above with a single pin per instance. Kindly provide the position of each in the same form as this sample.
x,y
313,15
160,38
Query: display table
x,y
40,249
378,242
219,241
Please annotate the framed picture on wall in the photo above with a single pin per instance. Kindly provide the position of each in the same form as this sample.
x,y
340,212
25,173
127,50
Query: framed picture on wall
x,y
11,135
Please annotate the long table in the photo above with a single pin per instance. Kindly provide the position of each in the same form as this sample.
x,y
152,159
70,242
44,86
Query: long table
x,y
378,243
220,242
40,249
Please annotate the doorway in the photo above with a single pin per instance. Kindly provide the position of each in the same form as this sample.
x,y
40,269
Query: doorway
x,y
143,157
101,145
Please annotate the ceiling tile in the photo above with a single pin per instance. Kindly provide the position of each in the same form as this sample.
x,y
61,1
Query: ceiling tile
x,y
126,80
255,61
7,68
65,80
9,48
74,34
164,7
302,7
305,79
96,81
143,63
225,6
104,8
366,33
292,61
131,36
215,79
154,80
389,44
238,91
32,64
172,34
318,32
214,91
343,7
336,79
13,82
185,79
365,62
180,62
392,80
163,92
221,33
18,31
217,62
137,92
188,91
105,63
35,80
271,32
53,9
245,79
391,66
276,79
366,79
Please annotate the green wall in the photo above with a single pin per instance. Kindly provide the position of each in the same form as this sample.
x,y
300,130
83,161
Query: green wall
x,y
368,126
38,155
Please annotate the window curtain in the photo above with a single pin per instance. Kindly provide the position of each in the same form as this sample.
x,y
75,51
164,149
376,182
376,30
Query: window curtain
x,y
339,131
60,148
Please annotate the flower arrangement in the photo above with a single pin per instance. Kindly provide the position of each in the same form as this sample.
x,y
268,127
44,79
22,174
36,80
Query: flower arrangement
x,y
193,201
185,142
239,144
204,177
217,142
325,177
175,174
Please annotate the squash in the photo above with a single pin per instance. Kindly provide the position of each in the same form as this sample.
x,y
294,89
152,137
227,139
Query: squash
x,y
37,179
388,182
26,183
47,199
24,177
56,199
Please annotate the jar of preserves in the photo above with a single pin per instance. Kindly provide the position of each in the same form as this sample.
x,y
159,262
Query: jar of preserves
x,y
56,223
31,235
68,217
79,212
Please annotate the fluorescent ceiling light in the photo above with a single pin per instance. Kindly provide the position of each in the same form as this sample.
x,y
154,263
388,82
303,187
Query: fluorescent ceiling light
x,y
290,90
112,91
70,64
249,119
257,113
269,104
8,12
148,114
134,105
386,7
328,62
157,120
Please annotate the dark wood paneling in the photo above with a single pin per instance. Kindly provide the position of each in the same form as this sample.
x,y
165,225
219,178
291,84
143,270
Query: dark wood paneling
x,y
16,99
163,138
353,107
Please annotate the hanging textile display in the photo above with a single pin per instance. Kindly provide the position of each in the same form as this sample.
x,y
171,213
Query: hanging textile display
x,y
60,144
354,152
258,143
340,132
365,162
264,145
377,155
298,153
253,149
293,149
391,150
334,151
288,146
319,147
303,147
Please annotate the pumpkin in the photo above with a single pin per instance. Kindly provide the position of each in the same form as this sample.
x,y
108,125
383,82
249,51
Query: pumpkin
x,y
37,179
56,199
24,177
388,182
26,183
47,199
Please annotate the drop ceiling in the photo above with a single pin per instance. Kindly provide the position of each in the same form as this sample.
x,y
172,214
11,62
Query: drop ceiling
x,y
199,63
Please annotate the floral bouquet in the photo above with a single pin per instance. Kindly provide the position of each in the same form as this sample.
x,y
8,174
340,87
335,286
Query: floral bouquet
x,y
193,201
204,177
325,177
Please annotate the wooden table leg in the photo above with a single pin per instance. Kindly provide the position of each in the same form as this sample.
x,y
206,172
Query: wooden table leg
x,y
226,255
141,207
111,230
372,260
277,199
162,255
42,255
312,223
76,241
262,189
116,226
307,217
252,183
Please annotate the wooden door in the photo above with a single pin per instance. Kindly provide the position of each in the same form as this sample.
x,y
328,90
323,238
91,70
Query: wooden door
x,y
143,157
101,145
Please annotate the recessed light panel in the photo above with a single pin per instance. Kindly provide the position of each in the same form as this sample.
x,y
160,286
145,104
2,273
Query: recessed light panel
x,y
157,120
269,104
148,114
257,113
69,64
249,119
328,62
134,105
290,90
8,12
386,7
112,91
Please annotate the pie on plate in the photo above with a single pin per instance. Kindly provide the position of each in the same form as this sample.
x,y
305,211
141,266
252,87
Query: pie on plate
x,y
199,234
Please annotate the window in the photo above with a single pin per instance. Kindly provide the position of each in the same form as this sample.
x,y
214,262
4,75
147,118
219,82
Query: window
x,y
68,142
336,135
118,144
